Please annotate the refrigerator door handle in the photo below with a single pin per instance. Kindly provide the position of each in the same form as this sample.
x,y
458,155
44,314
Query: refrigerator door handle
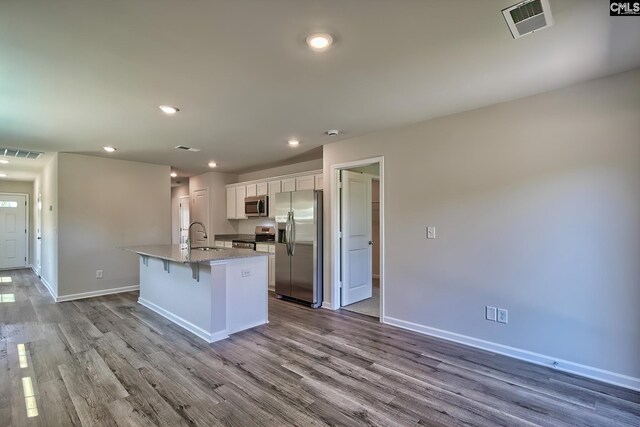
x,y
293,234
287,233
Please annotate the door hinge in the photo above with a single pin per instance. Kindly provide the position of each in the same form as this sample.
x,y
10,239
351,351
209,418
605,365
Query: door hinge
x,y
340,184
339,234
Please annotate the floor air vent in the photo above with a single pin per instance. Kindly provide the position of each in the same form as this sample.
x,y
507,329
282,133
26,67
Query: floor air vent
x,y
21,154
527,17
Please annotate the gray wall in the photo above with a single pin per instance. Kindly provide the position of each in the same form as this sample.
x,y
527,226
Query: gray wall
x,y
106,204
24,187
537,209
281,170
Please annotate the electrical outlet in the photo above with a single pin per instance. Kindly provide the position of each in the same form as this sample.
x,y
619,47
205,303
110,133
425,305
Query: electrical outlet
x,y
98,274
503,315
246,272
431,232
491,313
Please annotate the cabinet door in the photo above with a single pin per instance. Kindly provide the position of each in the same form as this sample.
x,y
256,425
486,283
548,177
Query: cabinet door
x,y
274,188
272,272
319,182
289,184
305,183
263,189
231,203
251,190
241,193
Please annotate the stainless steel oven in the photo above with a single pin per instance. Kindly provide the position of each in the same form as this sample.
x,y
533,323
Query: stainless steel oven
x,y
256,206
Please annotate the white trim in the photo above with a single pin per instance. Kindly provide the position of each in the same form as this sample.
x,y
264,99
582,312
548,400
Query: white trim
x,y
328,306
83,295
517,353
275,178
335,244
49,288
196,330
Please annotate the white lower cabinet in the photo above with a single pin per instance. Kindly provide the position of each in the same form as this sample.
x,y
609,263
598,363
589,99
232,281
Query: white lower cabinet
x,y
218,244
228,244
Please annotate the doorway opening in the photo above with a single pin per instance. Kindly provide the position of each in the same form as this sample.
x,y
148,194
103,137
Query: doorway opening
x,y
358,224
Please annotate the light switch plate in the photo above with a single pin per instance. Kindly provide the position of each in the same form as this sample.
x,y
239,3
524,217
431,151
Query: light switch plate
x,y
431,232
491,313
98,274
503,315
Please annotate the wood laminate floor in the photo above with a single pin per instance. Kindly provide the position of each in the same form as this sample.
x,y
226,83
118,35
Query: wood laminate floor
x,y
110,361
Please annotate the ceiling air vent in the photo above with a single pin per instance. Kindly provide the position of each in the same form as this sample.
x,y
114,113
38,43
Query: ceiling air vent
x,y
527,17
184,148
21,154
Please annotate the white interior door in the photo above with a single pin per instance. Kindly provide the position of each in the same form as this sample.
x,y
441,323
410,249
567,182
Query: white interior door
x,y
183,218
13,231
200,213
356,237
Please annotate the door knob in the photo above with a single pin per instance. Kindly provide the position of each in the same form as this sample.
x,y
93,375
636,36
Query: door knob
x,y
370,243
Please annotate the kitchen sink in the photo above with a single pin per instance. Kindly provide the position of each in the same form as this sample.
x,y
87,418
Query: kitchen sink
x,y
206,249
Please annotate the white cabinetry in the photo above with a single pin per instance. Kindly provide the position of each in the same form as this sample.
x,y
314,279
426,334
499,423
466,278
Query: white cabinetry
x,y
274,188
241,193
236,193
262,188
231,203
305,182
263,247
288,184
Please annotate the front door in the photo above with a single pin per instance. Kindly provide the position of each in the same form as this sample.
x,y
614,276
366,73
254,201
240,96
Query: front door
x,y
13,231
356,237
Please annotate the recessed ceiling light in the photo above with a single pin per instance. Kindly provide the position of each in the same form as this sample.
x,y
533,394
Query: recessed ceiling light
x,y
294,142
3,161
3,175
168,109
109,149
319,41
173,174
212,164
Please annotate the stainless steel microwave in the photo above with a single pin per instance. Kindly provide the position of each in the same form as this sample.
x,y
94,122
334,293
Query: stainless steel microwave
x,y
256,206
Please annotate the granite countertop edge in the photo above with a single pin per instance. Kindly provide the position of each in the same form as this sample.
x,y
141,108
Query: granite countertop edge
x,y
175,254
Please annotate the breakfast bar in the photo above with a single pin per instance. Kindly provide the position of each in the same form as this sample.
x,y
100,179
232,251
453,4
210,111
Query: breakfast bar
x,y
211,292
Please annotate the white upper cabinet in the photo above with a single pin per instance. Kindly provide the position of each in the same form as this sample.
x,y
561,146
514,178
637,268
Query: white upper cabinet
x,y
241,193
319,181
274,187
262,188
288,184
251,190
305,183
231,203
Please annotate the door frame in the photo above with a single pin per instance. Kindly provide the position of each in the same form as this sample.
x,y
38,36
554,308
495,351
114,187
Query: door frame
x,y
27,246
188,204
336,261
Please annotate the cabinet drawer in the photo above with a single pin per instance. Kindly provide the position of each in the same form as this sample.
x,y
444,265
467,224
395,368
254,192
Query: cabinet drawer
x,y
262,247
228,244
218,244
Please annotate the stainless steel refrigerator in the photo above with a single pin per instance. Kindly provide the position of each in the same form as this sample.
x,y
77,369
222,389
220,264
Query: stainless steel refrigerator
x,y
299,246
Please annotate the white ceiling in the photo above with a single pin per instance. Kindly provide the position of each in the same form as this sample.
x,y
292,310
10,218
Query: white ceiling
x,y
77,75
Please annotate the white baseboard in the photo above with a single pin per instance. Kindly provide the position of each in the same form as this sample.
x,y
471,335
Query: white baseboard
x,y
49,288
517,353
99,293
196,330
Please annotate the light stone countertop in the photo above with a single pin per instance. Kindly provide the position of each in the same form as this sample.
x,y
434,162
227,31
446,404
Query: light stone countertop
x,y
175,254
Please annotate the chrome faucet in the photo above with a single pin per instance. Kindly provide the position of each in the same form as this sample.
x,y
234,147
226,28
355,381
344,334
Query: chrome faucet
x,y
189,232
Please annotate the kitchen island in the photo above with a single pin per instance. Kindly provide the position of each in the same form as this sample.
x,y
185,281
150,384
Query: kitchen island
x,y
212,292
